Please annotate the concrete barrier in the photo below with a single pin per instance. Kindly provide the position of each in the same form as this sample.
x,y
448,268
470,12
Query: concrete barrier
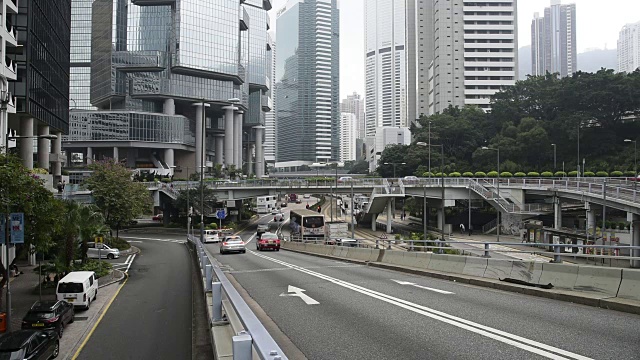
x,y
598,279
392,257
409,259
423,259
474,266
447,263
559,275
359,254
630,284
526,271
498,269
375,254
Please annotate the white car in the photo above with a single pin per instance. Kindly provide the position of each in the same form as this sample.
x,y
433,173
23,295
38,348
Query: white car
x,y
101,250
410,178
278,217
345,179
211,236
306,196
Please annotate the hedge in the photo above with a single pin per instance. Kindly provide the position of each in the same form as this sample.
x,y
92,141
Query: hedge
x,y
547,174
506,174
533,174
455,174
602,174
492,174
560,174
467,174
616,173
630,173
573,173
427,174
520,174
439,174
588,174
480,174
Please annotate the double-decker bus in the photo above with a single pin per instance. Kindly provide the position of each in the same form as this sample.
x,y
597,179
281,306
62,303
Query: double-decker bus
x,y
306,224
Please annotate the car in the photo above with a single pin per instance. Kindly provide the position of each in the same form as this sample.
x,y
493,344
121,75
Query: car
x,y
345,179
158,217
211,236
50,314
284,204
306,196
410,178
347,242
78,288
298,201
278,217
101,250
268,241
29,345
233,243
262,228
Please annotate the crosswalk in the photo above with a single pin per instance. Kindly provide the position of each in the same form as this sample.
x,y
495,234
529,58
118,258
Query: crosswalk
x,y
141,239
125,265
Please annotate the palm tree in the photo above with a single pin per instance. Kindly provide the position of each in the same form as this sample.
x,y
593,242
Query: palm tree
x,y
92,225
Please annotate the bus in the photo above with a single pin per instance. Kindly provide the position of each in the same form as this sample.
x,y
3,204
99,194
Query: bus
x,y
264,204
306,224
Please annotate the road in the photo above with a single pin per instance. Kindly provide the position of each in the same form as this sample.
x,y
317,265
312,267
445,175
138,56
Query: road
x,y
336,310
151,317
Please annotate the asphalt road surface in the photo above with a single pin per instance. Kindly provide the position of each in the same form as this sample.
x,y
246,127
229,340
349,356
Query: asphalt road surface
x,y
151,317
336,310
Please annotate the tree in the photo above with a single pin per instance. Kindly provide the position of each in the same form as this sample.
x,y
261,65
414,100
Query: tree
x,y
359,167
194,199
118,197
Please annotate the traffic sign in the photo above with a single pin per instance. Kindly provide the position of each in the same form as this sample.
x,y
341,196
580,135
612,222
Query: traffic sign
x,y
221,214
99,240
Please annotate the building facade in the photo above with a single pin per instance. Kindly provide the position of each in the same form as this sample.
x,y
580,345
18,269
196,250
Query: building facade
x,y
8,69
308,83
80,72
172,80
553,40
629,48
475,52
424,53
354,104
385,136
386,92
40,92
270,143
348,136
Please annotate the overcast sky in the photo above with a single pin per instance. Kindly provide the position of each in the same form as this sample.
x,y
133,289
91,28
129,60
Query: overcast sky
x,y
598,24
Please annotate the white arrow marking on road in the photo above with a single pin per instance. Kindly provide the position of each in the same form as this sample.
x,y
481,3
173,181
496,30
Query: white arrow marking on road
x,y
294,291
422,287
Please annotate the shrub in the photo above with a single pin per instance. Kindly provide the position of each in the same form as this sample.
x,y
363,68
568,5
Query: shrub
x,y
520,174
467,174
101,268
480,174
506,174
118,243
622,225
233,225
427,174
573,173
492,174
602,174
616,173
439,174
560,174
212,226
547,174
589,174
455,174
533,174
630,173
165,180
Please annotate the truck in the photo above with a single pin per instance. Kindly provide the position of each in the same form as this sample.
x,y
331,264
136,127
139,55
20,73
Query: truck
x,y
293,198
335,230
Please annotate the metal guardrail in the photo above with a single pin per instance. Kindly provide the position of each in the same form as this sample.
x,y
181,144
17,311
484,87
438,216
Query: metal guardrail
x,y
256,335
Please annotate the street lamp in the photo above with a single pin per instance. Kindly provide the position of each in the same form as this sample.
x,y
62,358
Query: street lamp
x,y
7,233
442,194
635,155
498,199
554,158
394,167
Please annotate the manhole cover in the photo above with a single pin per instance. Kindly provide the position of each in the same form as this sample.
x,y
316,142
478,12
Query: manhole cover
x,y
80,318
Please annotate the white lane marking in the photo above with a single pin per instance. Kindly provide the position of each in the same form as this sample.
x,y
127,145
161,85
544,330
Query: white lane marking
x,y
250,239
133,241
499,335
155,239
297,292
422,287
130,262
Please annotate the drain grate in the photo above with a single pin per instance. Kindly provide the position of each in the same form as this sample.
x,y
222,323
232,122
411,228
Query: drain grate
x,y
80,318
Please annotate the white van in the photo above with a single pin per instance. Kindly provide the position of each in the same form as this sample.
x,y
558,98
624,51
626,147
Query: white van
x,y
78,288
212,236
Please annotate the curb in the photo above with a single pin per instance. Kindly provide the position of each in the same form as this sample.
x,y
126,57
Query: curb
x,y
610,303
130,251
120,277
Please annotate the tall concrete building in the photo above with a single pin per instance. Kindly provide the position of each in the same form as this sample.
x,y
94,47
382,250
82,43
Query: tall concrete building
x,y
354,104
8,69
348,135
466,50
171,80
308,83
270,117
80,72
40,94
553,40
629,48
386,92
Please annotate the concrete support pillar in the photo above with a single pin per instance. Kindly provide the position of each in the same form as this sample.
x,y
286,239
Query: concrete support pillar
x,y
89,159
169,107
116,154
591,219
237,123
199,137
557,213
250,159
228,136
389,214
634,219
43,148
440,219
26,145
57,166
219,149
259,151
169,158
374,218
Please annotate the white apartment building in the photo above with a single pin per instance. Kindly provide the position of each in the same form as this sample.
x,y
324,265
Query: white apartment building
x,y
466,52
553,40
270,116
348,136
629,48
384,137
354,103
8,69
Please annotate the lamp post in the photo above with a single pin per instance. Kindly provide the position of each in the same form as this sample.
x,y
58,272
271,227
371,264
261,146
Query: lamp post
x,y
498,199
394,167
3,108
554,158
578,161
429,149
442,185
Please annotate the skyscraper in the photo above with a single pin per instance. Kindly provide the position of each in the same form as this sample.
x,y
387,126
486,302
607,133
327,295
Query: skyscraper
x,y
467,51
553,40
629,48
354,104
161,69
270,117
348,125
386,91
80,72
308,79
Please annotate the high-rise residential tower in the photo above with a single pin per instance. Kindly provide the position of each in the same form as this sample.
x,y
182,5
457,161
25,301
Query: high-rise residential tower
x,y
348,131
553,40
270,117
467,50
386,92
308,83
354,104
174,79
629,48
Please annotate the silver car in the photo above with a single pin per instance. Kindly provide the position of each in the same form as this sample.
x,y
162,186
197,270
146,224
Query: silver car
x,y
101,250
233,244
